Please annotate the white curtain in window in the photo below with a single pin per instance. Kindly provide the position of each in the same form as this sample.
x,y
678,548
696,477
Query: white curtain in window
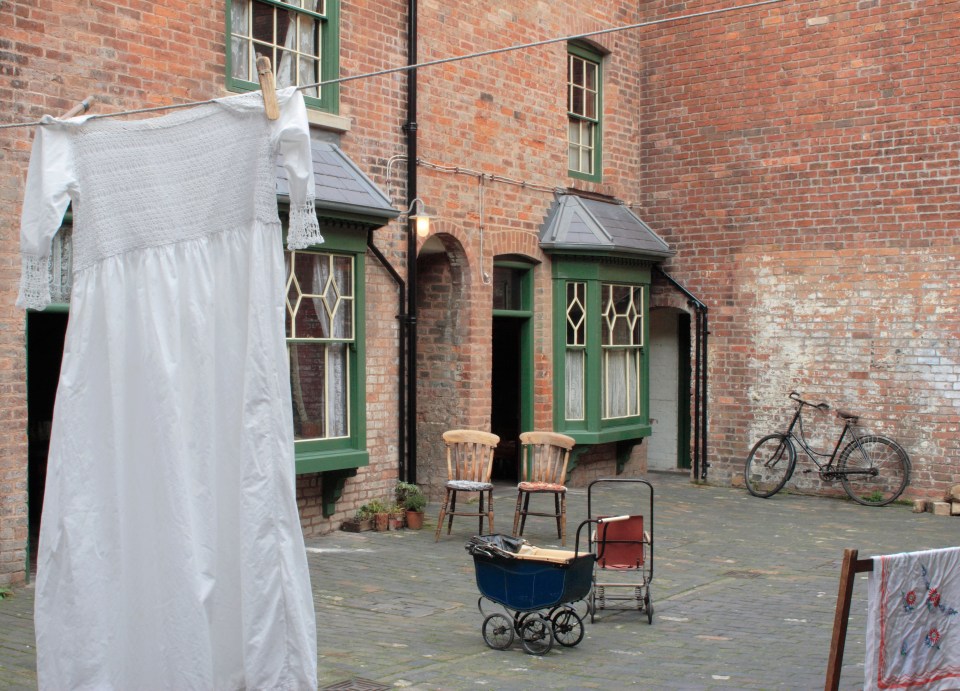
x,y
240,47
333,325
294,39
574,379
617,379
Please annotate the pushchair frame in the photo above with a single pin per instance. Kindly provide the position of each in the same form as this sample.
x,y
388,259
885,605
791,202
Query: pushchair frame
x,y
631,545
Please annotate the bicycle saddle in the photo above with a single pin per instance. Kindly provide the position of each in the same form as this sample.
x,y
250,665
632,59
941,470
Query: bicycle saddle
x,y
847,416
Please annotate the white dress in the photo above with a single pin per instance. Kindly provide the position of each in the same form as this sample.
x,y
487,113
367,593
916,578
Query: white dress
x,y
171,554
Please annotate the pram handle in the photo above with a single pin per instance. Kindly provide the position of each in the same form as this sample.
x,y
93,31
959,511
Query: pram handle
x,y
611,519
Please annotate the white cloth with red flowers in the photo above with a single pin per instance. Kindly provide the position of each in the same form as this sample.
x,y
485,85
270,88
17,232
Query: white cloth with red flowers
x,y
913,621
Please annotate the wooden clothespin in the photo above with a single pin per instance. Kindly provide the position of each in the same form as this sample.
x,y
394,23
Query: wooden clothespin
x,y
268,87
78,109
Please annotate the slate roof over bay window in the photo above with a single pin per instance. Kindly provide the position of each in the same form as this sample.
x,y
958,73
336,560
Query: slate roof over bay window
x,y
581,224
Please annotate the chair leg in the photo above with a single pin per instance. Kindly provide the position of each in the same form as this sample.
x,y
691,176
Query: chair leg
x,y
526,510
480,515
516,513
489,511
453,510
562,518
443,510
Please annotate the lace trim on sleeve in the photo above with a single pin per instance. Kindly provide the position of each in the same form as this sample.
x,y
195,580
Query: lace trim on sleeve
x,y
304,228
34,282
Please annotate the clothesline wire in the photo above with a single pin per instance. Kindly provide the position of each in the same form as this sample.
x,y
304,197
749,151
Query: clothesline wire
x,y
444,61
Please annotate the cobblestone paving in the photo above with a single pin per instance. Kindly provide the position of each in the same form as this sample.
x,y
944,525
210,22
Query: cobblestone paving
x,y
744,591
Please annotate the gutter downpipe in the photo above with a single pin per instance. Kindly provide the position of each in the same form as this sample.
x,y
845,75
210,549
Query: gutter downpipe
x,y
402,347
700,463
411,319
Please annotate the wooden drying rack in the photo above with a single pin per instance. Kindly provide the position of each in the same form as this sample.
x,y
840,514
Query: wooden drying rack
x,y
848,570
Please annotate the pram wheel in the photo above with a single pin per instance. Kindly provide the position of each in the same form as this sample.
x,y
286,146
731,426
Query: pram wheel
x,y
648,605
567,628
498,631
536,635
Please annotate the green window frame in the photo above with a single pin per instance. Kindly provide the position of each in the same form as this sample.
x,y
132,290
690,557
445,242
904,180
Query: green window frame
x,y
301,38
584,112
325,318
601,379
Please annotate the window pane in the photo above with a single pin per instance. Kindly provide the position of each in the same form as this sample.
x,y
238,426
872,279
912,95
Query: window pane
x,y
319,376
507,284
307,389
576,314
263,23
575,385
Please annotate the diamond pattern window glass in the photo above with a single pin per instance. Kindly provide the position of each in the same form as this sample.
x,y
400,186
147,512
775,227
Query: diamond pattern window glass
x,y
576,353
320,330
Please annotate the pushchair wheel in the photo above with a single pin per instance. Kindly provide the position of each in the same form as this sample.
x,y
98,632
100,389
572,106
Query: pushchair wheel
x,y
567,628
498,631
536,635
648,605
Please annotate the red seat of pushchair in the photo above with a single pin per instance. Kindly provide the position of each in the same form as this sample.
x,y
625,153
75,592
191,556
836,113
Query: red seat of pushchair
x,y
620,544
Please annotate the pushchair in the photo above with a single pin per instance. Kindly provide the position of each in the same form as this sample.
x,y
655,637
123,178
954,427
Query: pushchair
x,y
537,588
624,554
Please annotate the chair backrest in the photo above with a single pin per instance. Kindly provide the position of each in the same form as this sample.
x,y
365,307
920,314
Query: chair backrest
x,y
545,457
470,454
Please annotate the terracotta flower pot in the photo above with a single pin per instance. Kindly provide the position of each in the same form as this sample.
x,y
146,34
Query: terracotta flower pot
x,y
414,520
381,522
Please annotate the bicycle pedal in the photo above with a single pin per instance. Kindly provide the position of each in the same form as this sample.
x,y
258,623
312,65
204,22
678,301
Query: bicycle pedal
x,y
807,470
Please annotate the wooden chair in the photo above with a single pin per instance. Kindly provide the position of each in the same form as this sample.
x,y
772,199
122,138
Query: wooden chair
x,y
543,468
469,464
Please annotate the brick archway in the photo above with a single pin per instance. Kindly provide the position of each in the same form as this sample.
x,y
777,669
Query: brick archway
x,y
447,350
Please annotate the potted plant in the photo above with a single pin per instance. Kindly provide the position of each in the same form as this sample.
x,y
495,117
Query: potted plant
x,y
362,521
398,517
413,500
381,514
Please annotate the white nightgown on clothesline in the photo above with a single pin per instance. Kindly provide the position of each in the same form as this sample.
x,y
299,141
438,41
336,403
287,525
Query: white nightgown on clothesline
x,y
171,554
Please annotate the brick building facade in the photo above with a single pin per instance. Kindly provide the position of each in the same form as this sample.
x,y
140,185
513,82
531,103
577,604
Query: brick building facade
x,y
800,160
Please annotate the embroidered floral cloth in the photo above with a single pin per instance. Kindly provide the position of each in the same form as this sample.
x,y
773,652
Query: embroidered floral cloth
x,y
913,625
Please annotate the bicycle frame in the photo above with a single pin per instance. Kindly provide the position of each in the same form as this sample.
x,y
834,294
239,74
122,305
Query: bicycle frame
x,y
812,453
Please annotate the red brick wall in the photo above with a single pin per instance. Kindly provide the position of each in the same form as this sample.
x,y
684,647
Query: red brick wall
x,y
803,160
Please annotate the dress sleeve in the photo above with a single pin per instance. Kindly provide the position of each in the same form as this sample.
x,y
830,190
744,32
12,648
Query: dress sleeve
x,y
50,181
293,138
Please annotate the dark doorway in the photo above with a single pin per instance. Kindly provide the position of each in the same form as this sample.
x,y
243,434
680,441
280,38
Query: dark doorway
x,y
45,335
506,397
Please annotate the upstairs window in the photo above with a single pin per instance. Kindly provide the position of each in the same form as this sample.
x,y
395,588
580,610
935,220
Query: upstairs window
x,y
301,38
584,107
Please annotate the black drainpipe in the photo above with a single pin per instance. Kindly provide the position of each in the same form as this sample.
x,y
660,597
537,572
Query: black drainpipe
x,y
411,129
402,343
700,463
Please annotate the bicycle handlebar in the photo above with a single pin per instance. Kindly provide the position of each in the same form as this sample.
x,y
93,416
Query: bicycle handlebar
x,y
794,396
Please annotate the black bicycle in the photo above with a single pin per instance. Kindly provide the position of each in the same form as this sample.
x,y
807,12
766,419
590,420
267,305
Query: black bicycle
x,y
873,470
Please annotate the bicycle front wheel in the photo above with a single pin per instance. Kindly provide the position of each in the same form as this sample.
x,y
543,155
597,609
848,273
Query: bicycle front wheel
x,y
769,465
873,470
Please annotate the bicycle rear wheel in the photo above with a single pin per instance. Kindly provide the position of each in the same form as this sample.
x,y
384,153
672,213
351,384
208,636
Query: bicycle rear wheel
x,y
769,465
873,470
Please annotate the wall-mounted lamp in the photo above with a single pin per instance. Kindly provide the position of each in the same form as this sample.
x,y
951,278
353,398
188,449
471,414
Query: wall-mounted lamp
x,y
420,217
